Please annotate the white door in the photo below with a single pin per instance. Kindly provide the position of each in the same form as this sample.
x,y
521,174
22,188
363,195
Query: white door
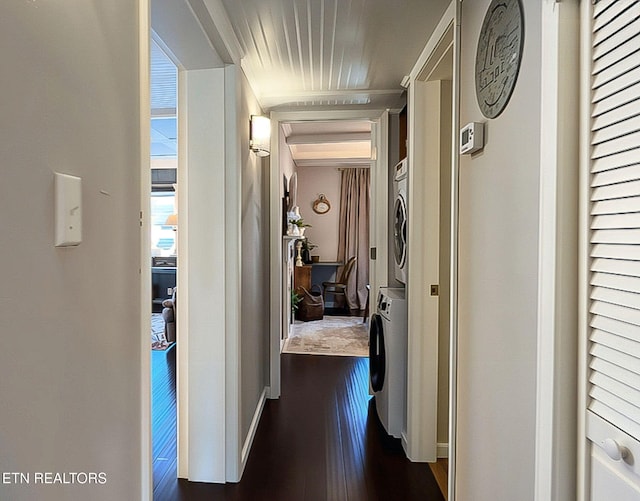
x,y
612,368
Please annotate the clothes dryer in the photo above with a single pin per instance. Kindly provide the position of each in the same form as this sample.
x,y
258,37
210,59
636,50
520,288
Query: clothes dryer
x,y
388,358
400,221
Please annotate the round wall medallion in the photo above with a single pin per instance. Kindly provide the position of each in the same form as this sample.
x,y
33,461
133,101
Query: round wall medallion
x,y
498,55
321,205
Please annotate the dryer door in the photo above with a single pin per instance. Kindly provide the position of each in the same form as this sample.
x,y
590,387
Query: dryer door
x,y
377,355
400,231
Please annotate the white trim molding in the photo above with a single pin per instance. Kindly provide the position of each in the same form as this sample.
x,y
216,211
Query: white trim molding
x,y
253,428
430,116
583,459
146,450
453,280
219,29
431,48
555,463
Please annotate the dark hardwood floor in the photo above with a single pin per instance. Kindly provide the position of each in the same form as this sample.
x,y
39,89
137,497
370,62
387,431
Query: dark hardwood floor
x,y
164,419
320,441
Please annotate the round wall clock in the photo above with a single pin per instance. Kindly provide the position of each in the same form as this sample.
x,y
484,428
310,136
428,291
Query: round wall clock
x,y
321,205
498,55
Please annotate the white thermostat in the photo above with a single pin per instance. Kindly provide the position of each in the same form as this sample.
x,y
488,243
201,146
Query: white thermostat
x,y
471,137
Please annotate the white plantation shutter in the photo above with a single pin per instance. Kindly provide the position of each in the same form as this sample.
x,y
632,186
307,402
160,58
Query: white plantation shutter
x,y
614,334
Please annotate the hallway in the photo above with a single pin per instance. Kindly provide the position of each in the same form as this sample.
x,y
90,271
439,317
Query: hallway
x,y
320,441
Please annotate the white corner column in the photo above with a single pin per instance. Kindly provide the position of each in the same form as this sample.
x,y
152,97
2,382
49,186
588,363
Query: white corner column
x,y
233,279
205,279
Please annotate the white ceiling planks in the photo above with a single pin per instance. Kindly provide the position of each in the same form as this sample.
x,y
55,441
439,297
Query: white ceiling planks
x,y
163,76
301,54
340,143
331,52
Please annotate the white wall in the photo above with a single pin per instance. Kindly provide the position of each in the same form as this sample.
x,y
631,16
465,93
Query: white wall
x,y
287,165
70,358
255,266
498,279
324,227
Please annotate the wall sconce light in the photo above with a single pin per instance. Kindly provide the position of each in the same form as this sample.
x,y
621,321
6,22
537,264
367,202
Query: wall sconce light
x,y
260,135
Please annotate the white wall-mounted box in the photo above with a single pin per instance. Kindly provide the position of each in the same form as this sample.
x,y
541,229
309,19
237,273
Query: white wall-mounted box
x,y
471,138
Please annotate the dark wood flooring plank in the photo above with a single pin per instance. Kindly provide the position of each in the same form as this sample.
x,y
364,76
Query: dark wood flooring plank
x,y
320,441
164,418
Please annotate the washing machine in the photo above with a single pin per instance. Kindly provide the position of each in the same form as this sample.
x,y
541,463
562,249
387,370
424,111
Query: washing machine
x,y
400,221
388,358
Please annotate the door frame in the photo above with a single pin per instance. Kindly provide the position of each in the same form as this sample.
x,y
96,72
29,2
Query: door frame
x,y
583,458
146,446
556,396
420,441
378,269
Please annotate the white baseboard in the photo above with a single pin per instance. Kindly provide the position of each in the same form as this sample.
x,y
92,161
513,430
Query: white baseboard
x,y
246,448
442,450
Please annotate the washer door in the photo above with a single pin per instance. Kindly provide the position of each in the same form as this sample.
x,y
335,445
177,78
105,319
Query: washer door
x,y
377,355
400,231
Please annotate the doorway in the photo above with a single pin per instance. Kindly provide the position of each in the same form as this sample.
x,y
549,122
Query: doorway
x,y
282,254
207,349
326,175
430,287
163,230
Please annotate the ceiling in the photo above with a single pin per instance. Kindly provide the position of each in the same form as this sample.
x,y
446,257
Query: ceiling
x,y
331,52
164,76
164,133
301,55
343,143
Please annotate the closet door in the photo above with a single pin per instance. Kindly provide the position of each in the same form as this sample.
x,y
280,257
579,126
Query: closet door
x,y
613,365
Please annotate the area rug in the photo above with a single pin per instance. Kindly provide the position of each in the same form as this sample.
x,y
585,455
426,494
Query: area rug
x,y
158,341
344,336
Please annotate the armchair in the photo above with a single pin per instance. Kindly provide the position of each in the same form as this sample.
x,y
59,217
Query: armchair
x,y
169,316
339,288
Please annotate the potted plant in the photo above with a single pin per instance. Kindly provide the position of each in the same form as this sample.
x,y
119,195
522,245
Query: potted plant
x,y
301,225
296,299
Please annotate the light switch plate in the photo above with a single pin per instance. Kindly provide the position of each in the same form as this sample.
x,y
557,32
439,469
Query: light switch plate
x,y
68,210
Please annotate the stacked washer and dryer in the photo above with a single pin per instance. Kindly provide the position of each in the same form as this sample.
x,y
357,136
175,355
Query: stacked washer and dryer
x,y
388,328
400,209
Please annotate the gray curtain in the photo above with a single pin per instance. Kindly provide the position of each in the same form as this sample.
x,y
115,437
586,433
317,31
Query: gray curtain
x,y
353,238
